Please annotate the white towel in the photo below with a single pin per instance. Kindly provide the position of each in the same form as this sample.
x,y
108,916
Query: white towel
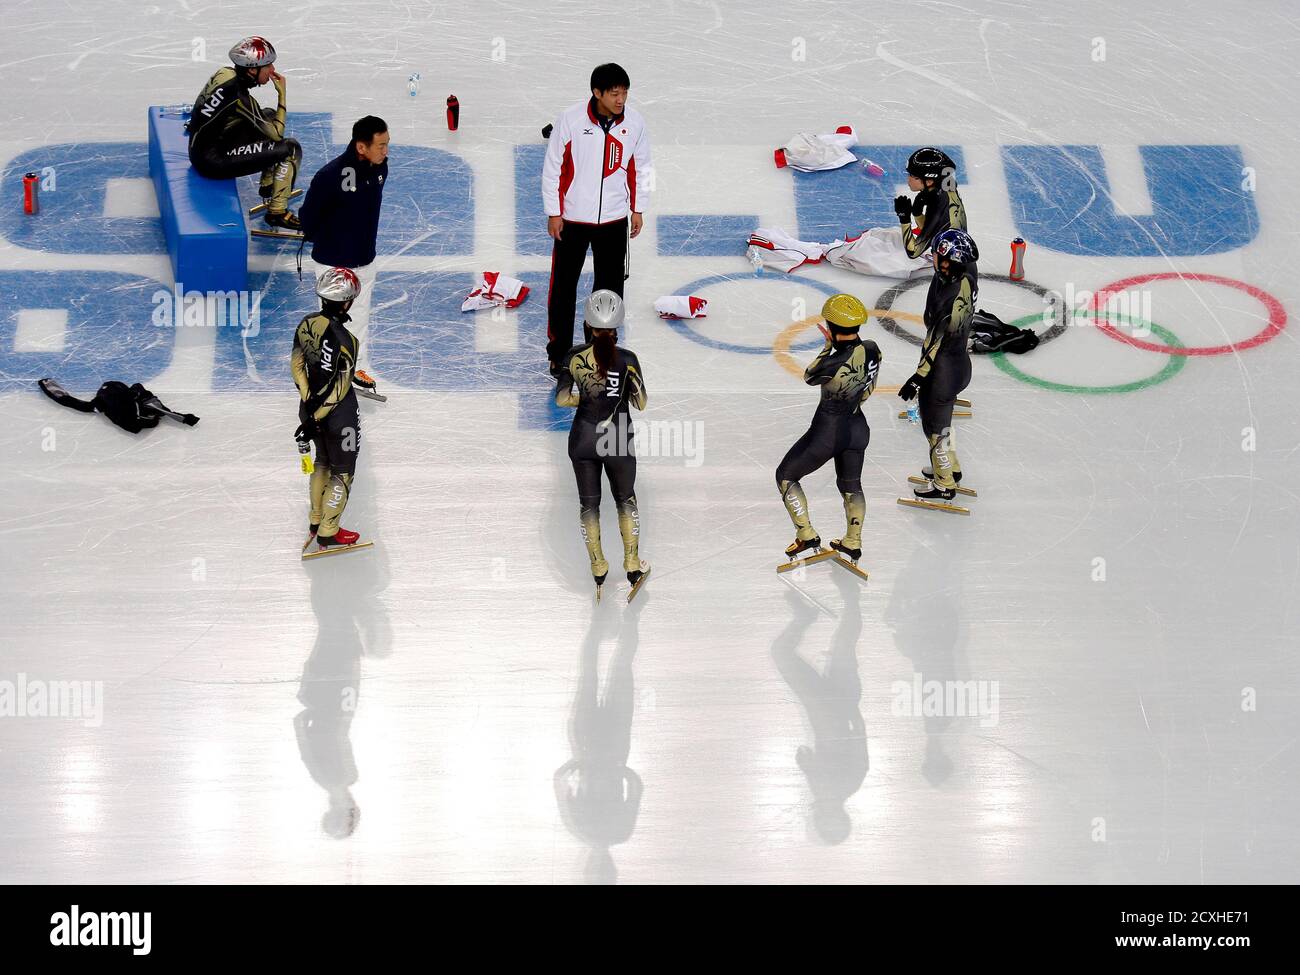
x,y
813,153
776,249
494,288
681,306
876,251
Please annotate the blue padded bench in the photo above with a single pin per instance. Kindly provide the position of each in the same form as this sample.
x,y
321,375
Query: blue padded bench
x,y
203,220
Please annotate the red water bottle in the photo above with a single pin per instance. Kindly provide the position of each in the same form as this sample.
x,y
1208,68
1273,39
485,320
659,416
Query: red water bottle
x,y
1017,259
453,113
31,194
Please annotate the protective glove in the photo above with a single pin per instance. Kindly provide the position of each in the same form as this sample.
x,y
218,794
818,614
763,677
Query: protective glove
x,y
910,389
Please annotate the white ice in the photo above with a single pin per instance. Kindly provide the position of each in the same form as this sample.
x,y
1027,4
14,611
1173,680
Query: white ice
x,y
452,706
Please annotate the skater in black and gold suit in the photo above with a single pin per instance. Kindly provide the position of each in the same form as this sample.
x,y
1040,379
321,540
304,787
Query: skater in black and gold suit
x,y
323,363
937,206
846,370
944,370
232,135
607,378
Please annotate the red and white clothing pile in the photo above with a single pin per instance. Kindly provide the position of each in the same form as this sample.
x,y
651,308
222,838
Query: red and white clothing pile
x,y
877,251
493,289
681,306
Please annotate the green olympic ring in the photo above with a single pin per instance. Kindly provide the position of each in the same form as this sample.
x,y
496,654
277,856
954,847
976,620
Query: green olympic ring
x,y
1171,368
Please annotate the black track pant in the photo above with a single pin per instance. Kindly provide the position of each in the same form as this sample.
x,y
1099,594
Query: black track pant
x,y
338,439
591,454
608,243
263,156
839,437
588,463
832,436
939,393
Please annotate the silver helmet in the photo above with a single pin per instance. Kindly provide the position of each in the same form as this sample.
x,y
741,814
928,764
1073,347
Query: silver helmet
x,y
252,52
604,309
338,284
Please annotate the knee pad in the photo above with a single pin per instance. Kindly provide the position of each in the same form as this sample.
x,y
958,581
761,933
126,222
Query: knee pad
x,y
589,503
849,487
626,500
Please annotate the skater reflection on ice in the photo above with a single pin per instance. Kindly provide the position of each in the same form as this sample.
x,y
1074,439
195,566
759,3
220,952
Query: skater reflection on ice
x,y
598,795
925,614
837,762
351,619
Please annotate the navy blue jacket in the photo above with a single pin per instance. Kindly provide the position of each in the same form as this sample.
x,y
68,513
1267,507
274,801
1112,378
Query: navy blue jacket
x,y
342,223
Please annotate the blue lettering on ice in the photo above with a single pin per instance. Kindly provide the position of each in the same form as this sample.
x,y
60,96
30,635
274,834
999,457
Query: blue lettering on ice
x,y
418,338
428,200
110,333
703,234
530,219
72,218
1060,199
847,201
257,358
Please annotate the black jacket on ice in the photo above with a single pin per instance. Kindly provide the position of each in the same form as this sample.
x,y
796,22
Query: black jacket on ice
x,y
340,213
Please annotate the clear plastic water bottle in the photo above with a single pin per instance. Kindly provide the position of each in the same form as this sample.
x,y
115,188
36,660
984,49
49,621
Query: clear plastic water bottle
x,y
413,84
755,260
913,412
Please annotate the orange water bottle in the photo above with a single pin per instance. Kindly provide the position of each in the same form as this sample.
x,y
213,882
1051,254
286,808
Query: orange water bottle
x,y
1017,272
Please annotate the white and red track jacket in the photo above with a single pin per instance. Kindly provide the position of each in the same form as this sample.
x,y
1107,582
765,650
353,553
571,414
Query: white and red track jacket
x,y
592,175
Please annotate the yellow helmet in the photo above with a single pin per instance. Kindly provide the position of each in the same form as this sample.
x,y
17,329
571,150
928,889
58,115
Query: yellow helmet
x,y
845,312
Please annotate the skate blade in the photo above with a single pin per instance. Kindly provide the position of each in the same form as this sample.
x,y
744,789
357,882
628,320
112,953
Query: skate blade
x,y
254,211
819,555
307,544
369,394
639,583
336,550
277,234
846,563
903,415
955,509
969,492
963,402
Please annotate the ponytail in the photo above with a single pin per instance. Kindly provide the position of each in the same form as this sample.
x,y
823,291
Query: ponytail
x,y
603,344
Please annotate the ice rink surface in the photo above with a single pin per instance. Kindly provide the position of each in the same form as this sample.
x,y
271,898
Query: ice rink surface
x,y
1120,608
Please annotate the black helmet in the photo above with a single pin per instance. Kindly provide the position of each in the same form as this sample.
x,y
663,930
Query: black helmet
x,y
929,163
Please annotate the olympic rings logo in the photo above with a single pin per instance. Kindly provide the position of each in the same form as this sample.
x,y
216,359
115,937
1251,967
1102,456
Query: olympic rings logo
x,y
1097,312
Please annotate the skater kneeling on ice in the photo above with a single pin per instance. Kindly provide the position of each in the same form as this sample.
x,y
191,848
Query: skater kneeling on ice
x,y
323,361
608,377
232,135
937,206
944,369
846,369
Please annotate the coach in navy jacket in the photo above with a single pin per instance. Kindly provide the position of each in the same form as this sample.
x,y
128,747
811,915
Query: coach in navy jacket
x,y
340,214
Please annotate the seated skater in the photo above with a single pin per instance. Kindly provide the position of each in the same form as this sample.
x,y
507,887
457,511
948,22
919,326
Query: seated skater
x,y
232,135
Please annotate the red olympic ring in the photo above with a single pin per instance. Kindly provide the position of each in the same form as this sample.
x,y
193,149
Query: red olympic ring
x,y
1276,314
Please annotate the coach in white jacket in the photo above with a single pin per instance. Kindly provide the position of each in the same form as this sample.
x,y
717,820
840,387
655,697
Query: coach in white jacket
x,y
593,182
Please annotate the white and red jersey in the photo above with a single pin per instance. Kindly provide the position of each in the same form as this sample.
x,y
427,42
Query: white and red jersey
x,y
595,174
